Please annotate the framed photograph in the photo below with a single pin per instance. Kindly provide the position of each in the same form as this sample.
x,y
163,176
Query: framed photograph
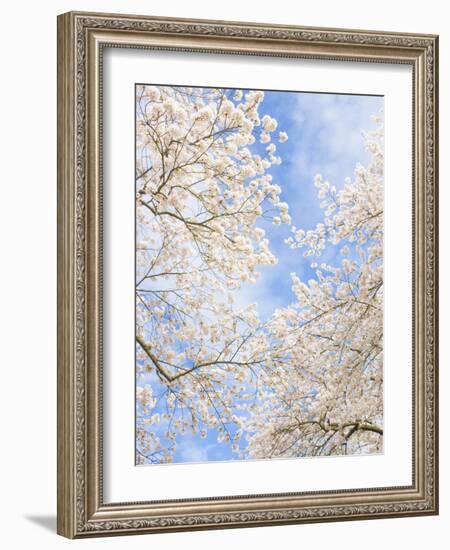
x,y
247,276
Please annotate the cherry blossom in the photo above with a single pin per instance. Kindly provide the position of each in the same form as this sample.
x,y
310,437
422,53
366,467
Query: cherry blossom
x,y
200,191
322,393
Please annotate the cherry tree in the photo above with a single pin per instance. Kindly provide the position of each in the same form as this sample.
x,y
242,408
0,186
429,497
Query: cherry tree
x,y
200,191
321,391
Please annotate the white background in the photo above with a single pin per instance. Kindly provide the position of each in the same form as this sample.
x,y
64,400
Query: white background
x,y
28,273
123,482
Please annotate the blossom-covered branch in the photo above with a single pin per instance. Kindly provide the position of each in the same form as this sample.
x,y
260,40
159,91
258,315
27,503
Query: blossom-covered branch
x,y
201,190
322,393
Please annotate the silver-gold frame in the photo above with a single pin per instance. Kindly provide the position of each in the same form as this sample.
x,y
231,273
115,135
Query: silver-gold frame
x,y
81,39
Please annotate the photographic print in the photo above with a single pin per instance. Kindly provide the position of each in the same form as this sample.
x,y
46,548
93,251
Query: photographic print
x,y
259,274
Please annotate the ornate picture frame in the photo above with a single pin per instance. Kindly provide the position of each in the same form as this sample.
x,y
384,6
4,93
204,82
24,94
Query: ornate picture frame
x,y
82,40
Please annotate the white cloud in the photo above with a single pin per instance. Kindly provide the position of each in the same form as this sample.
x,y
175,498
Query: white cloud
x,y
327,133
194,454
192,450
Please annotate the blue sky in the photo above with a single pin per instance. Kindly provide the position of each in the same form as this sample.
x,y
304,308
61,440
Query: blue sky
x,y
325,136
